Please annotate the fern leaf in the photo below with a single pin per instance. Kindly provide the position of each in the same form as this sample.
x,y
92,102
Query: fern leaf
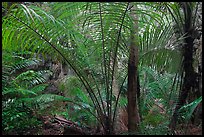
x,y
187,110
39,88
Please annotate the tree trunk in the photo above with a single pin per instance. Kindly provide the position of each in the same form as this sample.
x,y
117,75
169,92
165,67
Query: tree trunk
x,y
188,70
133,112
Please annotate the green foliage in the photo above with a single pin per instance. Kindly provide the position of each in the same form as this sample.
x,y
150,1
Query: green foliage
x,y
72,87
92,47
158,90
19,84
29,78
160,129
45,99
25,84
81,116
23,63
123,101
186,111
17,118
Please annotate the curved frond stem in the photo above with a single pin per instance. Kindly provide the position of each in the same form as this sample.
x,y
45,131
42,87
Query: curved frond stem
x,y
117,99
104,58
100,96
115,55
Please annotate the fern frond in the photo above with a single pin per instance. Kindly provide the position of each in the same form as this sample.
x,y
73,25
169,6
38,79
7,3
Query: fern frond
x,y
29,77
81,96
44,100
24,63
39,88
186,111
18,92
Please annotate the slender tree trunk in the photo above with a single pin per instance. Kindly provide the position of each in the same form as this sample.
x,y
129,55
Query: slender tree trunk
x,y
133,112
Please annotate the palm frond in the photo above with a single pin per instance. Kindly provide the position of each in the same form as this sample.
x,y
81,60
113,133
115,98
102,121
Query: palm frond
x,y
187,110
156,48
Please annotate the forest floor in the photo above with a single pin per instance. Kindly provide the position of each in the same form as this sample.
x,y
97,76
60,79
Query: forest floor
x,y
60,126
56,129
